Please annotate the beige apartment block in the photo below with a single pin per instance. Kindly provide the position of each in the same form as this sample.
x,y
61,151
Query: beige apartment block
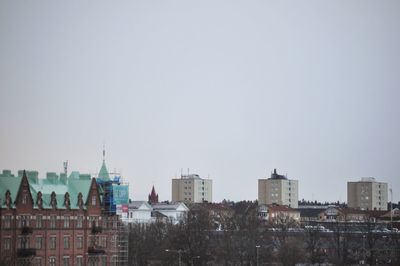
x,y
278,189
367,194
191,189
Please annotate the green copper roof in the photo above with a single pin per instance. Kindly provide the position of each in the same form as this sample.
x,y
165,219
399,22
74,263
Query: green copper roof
x,y
11,183
103,174
76,183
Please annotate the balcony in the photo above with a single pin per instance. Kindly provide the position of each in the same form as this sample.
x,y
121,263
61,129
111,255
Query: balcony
x,y
93,251
97,229
26,252
26,230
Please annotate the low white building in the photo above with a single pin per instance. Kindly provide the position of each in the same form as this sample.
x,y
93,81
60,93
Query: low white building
x,y
139,212
143,212
175,212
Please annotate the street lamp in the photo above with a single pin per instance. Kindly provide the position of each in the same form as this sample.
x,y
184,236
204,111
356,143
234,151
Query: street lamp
x,y
257,247
179,251
363,262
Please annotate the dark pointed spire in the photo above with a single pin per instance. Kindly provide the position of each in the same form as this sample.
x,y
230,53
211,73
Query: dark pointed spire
x,y
153,196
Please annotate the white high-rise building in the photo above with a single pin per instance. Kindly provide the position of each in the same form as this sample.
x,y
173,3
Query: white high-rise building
x,y
278,189
191,189
367,194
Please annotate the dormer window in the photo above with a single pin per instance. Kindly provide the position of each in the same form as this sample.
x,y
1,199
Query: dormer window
x,y
24,198
53,200
93,200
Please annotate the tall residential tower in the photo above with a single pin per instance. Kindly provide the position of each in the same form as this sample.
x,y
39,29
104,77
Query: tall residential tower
x,y
367,194
278,189
191,189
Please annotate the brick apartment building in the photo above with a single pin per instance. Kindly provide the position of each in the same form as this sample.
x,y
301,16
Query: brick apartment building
x,y
55,221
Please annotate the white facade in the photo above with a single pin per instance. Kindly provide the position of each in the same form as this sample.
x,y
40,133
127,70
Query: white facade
x,y
174,212
191,189
139,212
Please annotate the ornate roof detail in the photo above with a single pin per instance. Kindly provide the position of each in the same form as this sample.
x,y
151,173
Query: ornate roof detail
x,y
39,200
67,201
53,200
8,199
80,200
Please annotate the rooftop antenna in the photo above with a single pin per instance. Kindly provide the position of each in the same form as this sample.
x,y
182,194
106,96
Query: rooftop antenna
x,y
104,152
65,167
181,172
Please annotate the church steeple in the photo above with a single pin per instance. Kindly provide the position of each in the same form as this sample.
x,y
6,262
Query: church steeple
x,y
103,174
153,197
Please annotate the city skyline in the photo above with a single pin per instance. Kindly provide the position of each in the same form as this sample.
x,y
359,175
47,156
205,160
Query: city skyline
x,y
230,90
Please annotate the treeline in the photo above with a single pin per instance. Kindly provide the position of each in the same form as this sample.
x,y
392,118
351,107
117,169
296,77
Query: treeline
x,y
236,236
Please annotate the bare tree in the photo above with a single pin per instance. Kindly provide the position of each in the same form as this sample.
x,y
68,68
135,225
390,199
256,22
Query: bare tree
x,y
313,241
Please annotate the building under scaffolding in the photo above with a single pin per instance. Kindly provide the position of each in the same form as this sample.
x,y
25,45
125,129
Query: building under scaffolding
x,y
113,191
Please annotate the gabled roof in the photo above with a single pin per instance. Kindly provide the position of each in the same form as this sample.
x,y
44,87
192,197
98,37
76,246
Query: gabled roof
x,y
136,205
170,207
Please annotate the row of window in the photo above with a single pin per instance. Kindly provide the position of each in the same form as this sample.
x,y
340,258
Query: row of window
x,y
67,261
24,242
24,221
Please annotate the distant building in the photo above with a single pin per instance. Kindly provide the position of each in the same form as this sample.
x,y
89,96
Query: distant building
x,y
191,189
153,196
174,212
367,194
139,212
341,214
311,213
269,212
278,189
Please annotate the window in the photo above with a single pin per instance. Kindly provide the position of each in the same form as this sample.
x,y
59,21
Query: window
x,y
39,221
105,222
66,261
39,242
24,198
38,261
93,220
93,200
79,222
114,241
113,261
23,242
7,243
7,221
103,260
52,261
66,242
103,241
79,242
53,241
24,221
53,221
79,261
66,221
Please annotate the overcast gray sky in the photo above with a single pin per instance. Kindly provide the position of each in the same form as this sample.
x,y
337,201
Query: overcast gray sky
x,y
229,89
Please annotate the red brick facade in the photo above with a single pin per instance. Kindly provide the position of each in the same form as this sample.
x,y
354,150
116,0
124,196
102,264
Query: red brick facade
x,y
73,235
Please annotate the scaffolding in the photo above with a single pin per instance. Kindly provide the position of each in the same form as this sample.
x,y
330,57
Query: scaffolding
x,y
119,231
